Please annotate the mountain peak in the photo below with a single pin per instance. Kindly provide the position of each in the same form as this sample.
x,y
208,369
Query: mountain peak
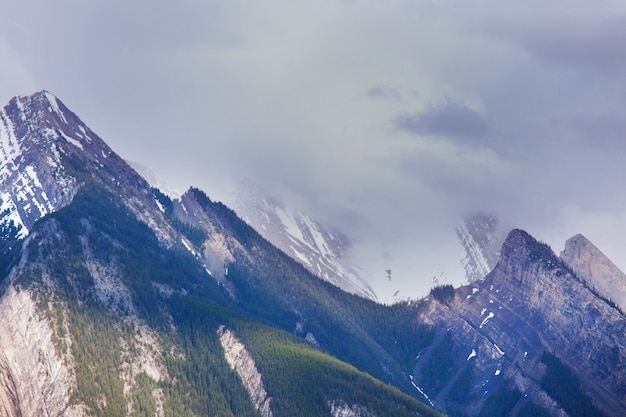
x,y
592,265
45,150
521,252
520,243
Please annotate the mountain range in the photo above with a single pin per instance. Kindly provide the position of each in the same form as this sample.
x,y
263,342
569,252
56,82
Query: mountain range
x,y
118,300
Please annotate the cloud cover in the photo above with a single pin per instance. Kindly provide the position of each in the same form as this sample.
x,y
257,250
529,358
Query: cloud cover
x,y
389,119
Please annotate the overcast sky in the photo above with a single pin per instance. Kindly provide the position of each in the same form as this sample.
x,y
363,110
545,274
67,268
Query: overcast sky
x,y
390,119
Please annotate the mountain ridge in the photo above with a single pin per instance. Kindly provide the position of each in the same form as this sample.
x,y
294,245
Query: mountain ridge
x,y
120,277
123,295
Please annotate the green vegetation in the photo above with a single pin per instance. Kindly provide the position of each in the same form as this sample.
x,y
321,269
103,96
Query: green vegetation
x,y
439,367
563,386
196,235
303,381
501,403
460,392
272,293
532,410
442,293
97,352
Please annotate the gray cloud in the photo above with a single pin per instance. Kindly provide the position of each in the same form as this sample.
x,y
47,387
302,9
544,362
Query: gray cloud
x,y
301,97
447,119
384,92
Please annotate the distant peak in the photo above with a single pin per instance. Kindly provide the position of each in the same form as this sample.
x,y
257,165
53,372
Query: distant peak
x,y
517,238
521,247
578,239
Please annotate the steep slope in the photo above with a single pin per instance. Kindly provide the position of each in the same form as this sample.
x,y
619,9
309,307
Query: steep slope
x,y
495,335
590,264
481,236
270,285
113,298
320,248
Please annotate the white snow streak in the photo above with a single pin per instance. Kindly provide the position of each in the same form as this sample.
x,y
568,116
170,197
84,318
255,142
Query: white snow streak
x,y
489,316
423,393
55,106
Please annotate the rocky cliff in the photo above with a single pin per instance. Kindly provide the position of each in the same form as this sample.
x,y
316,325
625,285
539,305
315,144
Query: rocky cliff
x,y
593,266
501,327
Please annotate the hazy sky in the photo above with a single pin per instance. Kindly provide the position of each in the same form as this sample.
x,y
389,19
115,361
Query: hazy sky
x,y
390,119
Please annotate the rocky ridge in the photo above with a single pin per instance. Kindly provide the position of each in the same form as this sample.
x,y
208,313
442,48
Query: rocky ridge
x,y
590,264
529,304
318,247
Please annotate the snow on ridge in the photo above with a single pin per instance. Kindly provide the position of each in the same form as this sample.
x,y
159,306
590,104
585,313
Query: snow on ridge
x,y
9,145
290,224
8,205
73,141
475,262
55,105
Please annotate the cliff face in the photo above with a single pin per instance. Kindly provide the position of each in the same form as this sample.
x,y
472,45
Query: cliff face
x,y
590,264
37,379
242,362
530,304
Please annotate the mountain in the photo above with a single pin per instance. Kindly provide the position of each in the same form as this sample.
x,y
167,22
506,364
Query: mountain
x,y
319,247
118,300
590,264
531,337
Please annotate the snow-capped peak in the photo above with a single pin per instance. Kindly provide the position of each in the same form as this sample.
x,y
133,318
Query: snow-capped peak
x,y
39,139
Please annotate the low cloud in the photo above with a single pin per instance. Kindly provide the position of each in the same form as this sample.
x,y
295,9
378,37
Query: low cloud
x,y
518,112
450,119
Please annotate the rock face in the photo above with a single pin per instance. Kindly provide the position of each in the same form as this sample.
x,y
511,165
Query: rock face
x,y
43,145
529,304
341,409
38,380
241,361
590,264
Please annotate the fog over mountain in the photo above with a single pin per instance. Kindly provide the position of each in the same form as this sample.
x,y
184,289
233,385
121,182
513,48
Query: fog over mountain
x,y
389,120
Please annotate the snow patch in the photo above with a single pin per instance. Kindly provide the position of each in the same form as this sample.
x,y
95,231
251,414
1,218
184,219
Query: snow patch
x,y
72,140
300,255
472,355
55,106
489,317
189,248
421,391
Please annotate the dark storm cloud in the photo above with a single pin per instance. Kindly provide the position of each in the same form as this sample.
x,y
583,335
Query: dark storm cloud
x,y
450,118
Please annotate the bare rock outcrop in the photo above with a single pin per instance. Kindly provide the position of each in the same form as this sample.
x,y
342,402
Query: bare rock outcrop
x,y
36,379
530,304
242,362
590,264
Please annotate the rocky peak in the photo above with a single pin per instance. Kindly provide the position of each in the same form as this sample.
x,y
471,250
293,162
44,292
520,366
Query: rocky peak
x,y
46,152
593,266
520,251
